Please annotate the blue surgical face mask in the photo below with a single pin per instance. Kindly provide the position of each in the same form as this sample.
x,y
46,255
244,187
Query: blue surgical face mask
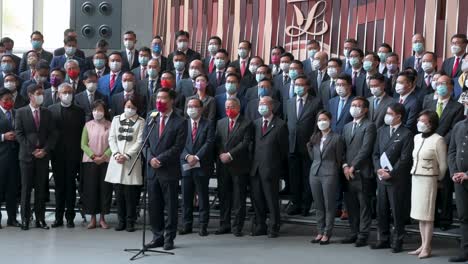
x,y
99,63
7,67
179,65
367,65
259,77
152,73
156,49
354,61
263,110
442,90
262,91
299,90
219,63
293,74
418,47
231,88
36,44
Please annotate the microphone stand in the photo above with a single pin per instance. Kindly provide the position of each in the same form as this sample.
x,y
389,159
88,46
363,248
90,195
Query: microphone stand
x,y
143,249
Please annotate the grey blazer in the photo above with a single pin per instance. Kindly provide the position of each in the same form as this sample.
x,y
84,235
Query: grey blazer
x,y
327,162
377,115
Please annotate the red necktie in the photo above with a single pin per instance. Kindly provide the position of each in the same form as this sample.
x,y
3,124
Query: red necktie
x,y
194,130
265,126
37,120
243,68
112,82
162,125
455,67
231,126
211,67
401,100
33,72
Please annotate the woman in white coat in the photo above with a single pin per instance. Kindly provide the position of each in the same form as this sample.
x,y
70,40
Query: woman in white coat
x,y
429,167
125,139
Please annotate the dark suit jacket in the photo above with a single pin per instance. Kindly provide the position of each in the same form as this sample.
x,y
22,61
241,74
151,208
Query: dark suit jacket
x,y
412,107
457,154
359,146
190,56
236,63
398,149
82,101
270,150
125,64
213,78
48,100
447,66
451,115
118,100
361,88
44,55
26,75
220,100
424,89
137,72
144,85
167,148
307,63
31,138
59,62
409,63
20,101
345,117
8,149
237,143
377,115
327,162
61,51
68,132
302,127
251,109
325,94
80,86
202,147
24,87
17,61
313,79
179,103
185,87
428,100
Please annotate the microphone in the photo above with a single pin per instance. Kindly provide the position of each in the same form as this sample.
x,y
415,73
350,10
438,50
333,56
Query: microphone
x,y
153,116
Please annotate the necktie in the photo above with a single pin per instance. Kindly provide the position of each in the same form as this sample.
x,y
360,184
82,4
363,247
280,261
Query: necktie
x,y
130,59
428,81
178,76
439,109
264,127
54,96
376,103
455,67
162,125
151,88
392,130
300,108
211,67
8,116
143,73
243,68
354,80
417,64
231,125
112,82
340,108
91,98
319,78
194,130
332,89
218,78
354,128
73,83
401,100
37,121
33,72
99,73
291,90
285,79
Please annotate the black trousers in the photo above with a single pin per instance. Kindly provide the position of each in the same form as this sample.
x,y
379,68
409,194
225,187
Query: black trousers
x,y
391,203
299,168
34,175
358,202
190,185
163,195
461,198
265,197
232,191
444,202
126,202
9,181
65,175
97,193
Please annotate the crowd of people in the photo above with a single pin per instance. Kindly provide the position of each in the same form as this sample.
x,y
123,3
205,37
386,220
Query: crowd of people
x,y
357,136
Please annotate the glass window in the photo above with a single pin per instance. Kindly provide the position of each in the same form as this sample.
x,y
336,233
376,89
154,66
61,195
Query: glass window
x,y
56,19
17,22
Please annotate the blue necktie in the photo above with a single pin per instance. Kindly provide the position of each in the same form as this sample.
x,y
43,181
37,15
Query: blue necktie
x,y
8,116
332,89
151,88
301,107
340,108
376,103
291,91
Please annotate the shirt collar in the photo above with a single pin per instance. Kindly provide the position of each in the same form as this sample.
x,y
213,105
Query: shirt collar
x,y
359,121
3,109
231,96
131,92
268,119
196,120
32,108
444,101
235,119
304,98
396,126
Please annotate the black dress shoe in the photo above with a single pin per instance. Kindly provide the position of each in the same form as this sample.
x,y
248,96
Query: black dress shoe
x,y
315,241
397,246
42,224
155,244
273,234
121,226
25,226
305,212
259,231
326,242
70,224
223,231
285,191
458,259
380,245
238,233
185,231
203,231
57,224
361,243
168,246
130,227
13,223
293,211
348,240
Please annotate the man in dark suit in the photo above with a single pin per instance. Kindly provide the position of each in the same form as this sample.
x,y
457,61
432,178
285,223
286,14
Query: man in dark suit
x,y
233,139
457,157
8,66
243,62
270,159
179,61
295,69
168,81
11,83
379,101
301,116
313,46
102,46
217,77
70,44
99,64
73,69
129,89
182,41
348,45
384,50
396,142
264,89
214,45
85,99
150,84
37,39
166,143
424,79
36,134
186,86
263,73
69,121
415,61
281,80
450,112
156,52
40,77
275,59
357,73
232,91
32,60
340,104
359,136
319,72
9,163
405,95
111,83
130,54
9,44
327,89
452,65
392,64
144,55
197,166
69,32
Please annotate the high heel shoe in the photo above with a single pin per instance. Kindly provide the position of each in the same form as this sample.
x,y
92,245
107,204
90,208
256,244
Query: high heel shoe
x,y
425,253
316,240
325,242
415,252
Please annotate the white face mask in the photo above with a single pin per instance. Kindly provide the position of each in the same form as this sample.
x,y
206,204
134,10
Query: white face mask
x,y
375,91
427,66
39,99
464,66
422,128
316,65
98,115
129,112
284,66
466,82
213,49
10,86
193,112
332,72
323,125
91,87
127,86
455,49
341,91
66,99
182,45
355,111
253,68
388,119
434,85
129,44
194,73
115,66
399,88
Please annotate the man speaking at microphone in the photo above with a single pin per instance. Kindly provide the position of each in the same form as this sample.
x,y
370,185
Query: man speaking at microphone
x,y
165,144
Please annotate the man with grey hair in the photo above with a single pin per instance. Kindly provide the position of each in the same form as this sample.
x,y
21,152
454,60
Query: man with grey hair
x,y
233,139
73,70
69,121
